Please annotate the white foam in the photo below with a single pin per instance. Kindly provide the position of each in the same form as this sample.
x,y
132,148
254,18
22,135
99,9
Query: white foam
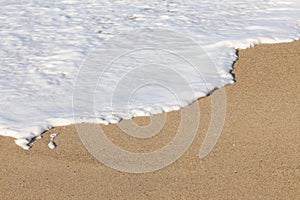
x,y
23,142
42,45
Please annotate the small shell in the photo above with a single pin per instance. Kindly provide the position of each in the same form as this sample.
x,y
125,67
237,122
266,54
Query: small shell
x,y
53,135
51,145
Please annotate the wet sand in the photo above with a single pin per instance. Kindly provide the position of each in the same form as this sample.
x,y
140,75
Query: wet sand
x,y
256,157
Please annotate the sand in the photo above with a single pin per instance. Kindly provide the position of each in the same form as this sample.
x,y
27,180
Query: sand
x,y
256,157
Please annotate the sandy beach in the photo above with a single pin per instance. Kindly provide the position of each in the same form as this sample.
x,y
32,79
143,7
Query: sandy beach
x,y
256,157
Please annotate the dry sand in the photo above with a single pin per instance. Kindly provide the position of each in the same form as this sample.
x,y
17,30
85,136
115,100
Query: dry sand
x,y
257,156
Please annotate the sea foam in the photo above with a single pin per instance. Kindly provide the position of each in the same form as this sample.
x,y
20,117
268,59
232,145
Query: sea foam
x,y
45,47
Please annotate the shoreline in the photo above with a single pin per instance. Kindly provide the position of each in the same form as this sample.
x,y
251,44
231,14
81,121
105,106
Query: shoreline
x,y
256,157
